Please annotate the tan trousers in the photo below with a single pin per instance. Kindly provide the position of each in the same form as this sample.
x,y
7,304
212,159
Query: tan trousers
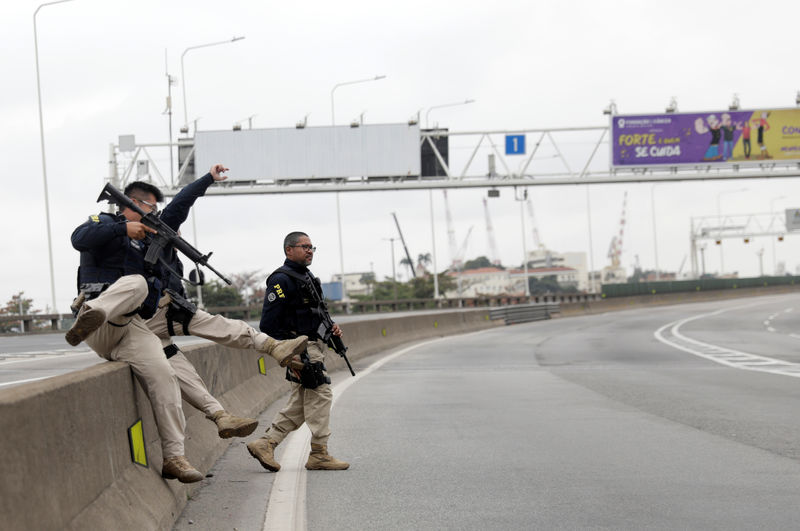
x,y
216,328
128,339
312,406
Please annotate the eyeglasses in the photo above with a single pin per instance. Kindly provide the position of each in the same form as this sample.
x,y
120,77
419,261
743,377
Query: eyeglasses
x,y
152,206
306,247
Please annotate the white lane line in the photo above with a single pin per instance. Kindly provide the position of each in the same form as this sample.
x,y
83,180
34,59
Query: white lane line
x,y
286,508
43,355
25,381
670,334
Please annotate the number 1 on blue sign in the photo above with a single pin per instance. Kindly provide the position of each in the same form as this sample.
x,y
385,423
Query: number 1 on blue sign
x,y
515,144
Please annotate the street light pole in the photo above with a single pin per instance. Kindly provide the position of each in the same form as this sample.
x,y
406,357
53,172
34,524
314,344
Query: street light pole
x,y
394,273
44,163
183,76
719,227
428,112
333,115
771,203
655,240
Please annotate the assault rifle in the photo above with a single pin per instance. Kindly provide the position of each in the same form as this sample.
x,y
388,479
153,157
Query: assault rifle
x,y
325,329
165,234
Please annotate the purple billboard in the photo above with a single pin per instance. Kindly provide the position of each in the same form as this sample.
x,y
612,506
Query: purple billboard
x,y
723,137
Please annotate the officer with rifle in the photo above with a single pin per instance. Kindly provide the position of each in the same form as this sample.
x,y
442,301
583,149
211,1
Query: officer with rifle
x,y
293,306
120,284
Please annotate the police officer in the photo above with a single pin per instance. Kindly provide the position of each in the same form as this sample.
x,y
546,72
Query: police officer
x,y
288,311
177,316
121,291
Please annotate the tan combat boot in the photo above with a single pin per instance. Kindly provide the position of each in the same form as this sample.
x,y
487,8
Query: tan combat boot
x,y
87,322
231,426
283,351
319,459
263,449
179,468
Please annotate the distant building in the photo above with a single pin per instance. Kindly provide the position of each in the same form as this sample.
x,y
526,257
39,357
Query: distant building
x,y
480,282
543,259
355,283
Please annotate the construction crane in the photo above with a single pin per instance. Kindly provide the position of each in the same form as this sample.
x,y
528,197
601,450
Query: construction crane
x,y
451,235
537,242
490,234
405,248
615,249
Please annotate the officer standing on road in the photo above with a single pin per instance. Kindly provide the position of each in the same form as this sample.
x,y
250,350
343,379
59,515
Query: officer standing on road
x,y
289,311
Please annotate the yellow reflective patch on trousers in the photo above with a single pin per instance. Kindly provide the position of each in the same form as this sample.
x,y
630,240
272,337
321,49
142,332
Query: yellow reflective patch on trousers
x,y
262,367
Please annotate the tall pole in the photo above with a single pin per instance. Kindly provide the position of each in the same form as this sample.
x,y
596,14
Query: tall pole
x,y
591,249
183,74
524,244
465,102
719,228
771,204
44,163
394,273
333,114
341,246
433,245
655,234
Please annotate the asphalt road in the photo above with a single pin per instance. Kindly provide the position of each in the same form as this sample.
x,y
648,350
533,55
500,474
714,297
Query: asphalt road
x,y
681,417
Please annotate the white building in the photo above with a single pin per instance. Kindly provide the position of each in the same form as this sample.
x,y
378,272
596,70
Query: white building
x,y
480,282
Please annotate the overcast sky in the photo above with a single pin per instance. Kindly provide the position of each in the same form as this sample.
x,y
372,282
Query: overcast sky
x,y
527,64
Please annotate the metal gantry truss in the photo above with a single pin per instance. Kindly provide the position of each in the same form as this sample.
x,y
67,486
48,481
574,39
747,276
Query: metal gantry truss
x,y
744,227
558,156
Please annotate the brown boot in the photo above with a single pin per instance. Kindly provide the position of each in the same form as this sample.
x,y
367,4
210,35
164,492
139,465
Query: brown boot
x,y
87,322
283,351
263,449
179,468
319,459
231,426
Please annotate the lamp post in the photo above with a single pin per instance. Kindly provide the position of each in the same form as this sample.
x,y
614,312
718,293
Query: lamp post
x,y
394,273
44,163
719,228
524,244
655,237
185,128
428,112
771,203
338,209
333,115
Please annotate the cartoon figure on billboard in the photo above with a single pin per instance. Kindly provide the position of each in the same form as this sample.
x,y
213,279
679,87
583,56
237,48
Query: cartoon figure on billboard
x,y
712,154
727,136
745,129
762,125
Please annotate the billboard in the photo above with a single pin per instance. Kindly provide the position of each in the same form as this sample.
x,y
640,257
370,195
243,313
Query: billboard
x,y
716,137
382,150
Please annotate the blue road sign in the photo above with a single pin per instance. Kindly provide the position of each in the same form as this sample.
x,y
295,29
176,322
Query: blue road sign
x,y
515,144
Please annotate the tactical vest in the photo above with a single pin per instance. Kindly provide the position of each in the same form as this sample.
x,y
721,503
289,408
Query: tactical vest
x,y
121,256
305,317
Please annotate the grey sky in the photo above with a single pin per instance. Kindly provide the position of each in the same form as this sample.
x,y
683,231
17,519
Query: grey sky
x,y
527,64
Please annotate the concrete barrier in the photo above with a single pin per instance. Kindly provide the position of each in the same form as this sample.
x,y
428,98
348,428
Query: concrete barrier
x,y
64,451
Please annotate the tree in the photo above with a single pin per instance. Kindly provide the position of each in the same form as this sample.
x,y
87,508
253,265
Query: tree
x,y
423,261
215,293
369,280
477,263
247,283
12,307
409,264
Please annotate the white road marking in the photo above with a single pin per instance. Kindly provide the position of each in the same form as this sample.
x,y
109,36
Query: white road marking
x,y
25,381
18,357
669,334
286,508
